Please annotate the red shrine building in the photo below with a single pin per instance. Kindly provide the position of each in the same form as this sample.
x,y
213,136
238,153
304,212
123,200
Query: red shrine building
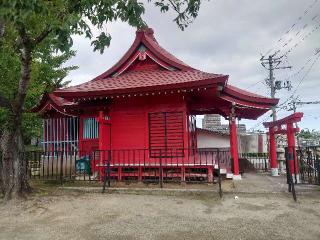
x,y
147,101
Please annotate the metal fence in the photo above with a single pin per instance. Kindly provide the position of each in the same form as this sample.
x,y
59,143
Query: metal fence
x,y
254,162
309,164
163,165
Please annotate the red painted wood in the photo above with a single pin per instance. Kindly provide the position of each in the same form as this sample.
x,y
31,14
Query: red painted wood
x,y
234,145
284,131
294,168
86,146
290,131
272,149
293,118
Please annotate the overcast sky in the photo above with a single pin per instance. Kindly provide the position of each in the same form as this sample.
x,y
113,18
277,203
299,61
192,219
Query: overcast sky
x,y
227,37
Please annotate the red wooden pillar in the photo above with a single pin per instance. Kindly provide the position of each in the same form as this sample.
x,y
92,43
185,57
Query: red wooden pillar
x,y
273,152
103,143
210,174
293,163
234,148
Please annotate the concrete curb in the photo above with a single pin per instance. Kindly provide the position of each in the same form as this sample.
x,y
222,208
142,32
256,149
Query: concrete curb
x,y
139,191
175,192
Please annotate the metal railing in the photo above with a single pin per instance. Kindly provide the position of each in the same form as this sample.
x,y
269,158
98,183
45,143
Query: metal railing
x,y
309,164
291,170
254,162
156,165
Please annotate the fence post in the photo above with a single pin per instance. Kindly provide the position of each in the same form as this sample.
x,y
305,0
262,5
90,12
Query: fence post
x,y
219,175
161,171
290,182
108,167
107,171
294,165
61,168
287,169
265,164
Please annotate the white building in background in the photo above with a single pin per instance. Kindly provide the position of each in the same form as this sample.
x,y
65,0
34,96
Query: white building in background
x,y
212,139
247,142
213,122
213,134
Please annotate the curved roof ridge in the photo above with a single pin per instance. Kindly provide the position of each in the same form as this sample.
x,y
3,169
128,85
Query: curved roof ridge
x,y
161,51
145,37
51,98
246,95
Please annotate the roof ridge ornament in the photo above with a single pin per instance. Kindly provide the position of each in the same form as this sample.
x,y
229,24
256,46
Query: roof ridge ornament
x,y
146,30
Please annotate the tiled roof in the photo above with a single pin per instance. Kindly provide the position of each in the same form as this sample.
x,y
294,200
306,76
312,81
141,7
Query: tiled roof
x,y
59,101
51,99
241,94
143,80
147,67
155,45
146,38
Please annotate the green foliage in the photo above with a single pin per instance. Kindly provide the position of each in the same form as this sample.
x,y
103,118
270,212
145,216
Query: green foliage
x,y
45,28
307,134
186,10
64,18
47,74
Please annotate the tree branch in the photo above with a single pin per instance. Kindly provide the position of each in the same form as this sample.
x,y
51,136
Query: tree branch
x,y
2,28
42,36
26,59
174,6
4,102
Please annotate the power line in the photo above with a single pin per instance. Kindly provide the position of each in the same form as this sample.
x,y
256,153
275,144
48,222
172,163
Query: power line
x,y
262,121
306,74
302,79
279,108
277,85
306,36
302,67
281,39
272,63
255,84
293,105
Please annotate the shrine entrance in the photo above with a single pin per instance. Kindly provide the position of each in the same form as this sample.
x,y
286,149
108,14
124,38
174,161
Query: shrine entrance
x,y
284,126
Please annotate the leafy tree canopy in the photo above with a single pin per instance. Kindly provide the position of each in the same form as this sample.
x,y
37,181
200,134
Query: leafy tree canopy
x,y
307,134
46,27
47,74
30,32
63,18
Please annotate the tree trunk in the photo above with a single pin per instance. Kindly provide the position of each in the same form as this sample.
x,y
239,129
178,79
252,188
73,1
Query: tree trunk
x,y
13,167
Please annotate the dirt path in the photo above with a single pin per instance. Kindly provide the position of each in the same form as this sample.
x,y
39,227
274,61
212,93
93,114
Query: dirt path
x,y
263,210
122,216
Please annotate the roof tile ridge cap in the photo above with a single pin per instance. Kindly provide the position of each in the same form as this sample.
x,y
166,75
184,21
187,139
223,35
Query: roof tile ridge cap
x,y
154,43
56,98
137,41
254,95
210,73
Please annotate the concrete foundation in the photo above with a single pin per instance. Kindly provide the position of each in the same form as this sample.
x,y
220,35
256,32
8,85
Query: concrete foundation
x,y
236,177
274,172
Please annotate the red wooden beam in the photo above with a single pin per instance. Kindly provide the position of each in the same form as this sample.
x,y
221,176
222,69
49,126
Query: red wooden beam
x,y
285,131
293,118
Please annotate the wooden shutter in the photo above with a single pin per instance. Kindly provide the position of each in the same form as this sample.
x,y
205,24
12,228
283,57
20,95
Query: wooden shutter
x,y
166,134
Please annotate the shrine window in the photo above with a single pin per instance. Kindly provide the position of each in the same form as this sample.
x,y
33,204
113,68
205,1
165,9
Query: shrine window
x,y
166,135
90,128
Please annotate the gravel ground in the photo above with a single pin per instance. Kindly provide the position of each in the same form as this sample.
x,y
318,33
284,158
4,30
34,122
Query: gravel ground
x,y
263,210
76,215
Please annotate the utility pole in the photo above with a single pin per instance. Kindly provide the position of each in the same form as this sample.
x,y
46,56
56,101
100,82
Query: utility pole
x,y
272,63
292,106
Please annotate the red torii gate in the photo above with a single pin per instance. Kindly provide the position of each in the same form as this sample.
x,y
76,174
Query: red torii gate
x,y
283,126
